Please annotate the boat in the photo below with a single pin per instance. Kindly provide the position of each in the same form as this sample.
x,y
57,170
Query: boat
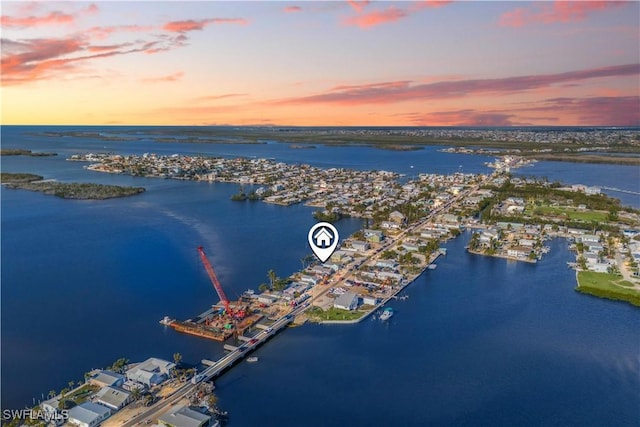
x,y
433,266
252,359
386,314
166,321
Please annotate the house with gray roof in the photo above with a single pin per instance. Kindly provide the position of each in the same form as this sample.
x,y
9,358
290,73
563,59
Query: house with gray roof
x,y
151,372
183,416
88,414
113,397
107,378
346,301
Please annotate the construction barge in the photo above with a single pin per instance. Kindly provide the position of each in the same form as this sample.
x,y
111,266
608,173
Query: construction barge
x,y
221,321
214,325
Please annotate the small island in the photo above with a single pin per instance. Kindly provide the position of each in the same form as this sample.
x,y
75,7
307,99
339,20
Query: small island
x,y
22,152
81,191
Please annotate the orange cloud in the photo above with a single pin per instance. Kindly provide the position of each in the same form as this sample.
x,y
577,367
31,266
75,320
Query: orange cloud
x,y
193,25
400,91
292,9
168,78
558,11
217,97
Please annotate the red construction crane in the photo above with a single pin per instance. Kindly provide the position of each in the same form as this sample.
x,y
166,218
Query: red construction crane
x,y
215,281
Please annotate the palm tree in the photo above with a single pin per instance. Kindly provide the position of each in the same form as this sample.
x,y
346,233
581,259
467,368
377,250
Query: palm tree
x,y
71,384
52,394
177,358
135,394
212,400
272,277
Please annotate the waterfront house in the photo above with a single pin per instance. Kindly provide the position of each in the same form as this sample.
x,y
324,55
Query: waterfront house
x,y
50,407
113,397
183,416
519,251
107,378
387,263
88,414
369,300
309,279
346,301
151,372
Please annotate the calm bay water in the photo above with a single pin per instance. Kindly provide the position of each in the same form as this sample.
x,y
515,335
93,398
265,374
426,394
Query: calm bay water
x,y
479,342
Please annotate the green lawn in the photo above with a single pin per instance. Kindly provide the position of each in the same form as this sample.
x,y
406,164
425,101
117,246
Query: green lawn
x,y
566,212
608,286
317,314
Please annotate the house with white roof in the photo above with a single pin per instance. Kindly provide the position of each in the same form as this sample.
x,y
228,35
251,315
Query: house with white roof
x,y
151,372
88,414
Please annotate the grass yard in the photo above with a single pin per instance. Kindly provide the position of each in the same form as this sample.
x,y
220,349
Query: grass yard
x,y
566,212
317,314
607,285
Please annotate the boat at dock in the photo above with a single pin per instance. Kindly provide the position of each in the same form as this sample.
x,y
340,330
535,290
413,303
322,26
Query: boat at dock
x,y
166,321
386,314
252,359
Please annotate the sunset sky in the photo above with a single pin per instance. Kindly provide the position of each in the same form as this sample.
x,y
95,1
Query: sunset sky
x,y
424,63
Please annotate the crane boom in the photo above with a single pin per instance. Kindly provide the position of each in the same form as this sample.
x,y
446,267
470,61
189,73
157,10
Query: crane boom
x,y
215,281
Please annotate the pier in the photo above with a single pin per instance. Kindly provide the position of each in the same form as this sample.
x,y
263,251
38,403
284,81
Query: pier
x,y
620,190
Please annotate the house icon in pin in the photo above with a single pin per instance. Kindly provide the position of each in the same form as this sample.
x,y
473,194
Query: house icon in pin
x,y
323,237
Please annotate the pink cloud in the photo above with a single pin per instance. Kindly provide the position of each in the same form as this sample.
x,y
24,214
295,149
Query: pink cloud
x,y
376,17
106,31
598,110
52,18
292,9
358,5
399,91
193,25
25,61
168,78
390,14
558,11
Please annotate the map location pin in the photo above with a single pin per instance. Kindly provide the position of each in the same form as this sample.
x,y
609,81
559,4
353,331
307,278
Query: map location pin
x,y
323,239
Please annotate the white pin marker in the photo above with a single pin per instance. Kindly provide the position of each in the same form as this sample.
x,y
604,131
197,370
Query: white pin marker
x,y
323,239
